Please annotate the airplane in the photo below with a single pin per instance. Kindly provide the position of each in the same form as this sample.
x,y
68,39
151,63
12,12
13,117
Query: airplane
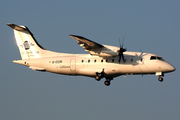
x,y
103,61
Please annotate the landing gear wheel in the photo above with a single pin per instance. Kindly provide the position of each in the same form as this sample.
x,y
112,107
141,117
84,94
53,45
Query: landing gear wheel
x,y
98,78
99,75
107,83
160,79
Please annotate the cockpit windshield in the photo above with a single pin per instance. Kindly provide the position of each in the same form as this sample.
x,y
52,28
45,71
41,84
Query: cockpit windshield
x,y
156,58
160,58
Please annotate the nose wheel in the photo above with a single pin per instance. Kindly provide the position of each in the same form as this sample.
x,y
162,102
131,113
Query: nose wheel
x,y
160,78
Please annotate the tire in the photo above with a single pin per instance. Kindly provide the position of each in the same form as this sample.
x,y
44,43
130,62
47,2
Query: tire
x,y
97,78
160,79
107,83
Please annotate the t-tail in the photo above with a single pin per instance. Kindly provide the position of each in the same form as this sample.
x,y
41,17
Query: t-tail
x,y
29,48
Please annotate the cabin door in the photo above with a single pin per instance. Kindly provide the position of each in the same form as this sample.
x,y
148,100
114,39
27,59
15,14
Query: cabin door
x,y
73,64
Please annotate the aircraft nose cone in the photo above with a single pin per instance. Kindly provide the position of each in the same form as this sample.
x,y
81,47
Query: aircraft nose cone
x,y
171,68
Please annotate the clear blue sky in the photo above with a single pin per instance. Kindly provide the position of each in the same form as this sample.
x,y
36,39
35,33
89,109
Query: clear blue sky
x,y
152,26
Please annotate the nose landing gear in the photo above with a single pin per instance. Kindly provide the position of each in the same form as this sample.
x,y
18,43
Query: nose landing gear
x,y
160,75
160,78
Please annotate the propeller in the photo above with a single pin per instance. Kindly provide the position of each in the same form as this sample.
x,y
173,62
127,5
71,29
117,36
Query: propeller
x,y
121,50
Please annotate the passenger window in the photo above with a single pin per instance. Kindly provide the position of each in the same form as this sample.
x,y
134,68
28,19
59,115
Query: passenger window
x,y
94,60
82,61
88,61
101,60
106,60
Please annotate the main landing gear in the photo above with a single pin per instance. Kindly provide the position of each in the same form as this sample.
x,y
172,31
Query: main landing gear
x,y
99,76
107,82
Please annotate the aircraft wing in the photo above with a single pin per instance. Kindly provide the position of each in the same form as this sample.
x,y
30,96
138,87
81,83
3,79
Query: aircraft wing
x,y
86,43
95,48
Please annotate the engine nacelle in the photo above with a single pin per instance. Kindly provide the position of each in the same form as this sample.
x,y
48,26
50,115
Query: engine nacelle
x,y
106,51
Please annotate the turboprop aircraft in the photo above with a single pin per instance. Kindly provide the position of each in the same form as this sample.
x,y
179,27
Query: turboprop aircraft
x,y
103,61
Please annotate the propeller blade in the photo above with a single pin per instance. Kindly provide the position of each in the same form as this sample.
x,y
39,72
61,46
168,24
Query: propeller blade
x,y
119,58
119,43
123,58
122,42
121,50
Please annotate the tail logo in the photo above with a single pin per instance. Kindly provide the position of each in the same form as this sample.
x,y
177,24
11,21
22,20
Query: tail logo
x,y
27,45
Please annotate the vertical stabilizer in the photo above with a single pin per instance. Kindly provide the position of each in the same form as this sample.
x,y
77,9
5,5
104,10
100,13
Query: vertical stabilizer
x,y
29,48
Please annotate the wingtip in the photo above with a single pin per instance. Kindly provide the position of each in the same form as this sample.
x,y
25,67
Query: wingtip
x,y
77,36
11,25
72,35
8,24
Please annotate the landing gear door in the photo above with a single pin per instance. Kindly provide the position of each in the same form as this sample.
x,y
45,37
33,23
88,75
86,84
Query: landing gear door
x,y
73,64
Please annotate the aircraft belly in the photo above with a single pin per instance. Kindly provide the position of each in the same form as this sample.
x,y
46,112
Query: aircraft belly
x,y
87,72
129,69
60,70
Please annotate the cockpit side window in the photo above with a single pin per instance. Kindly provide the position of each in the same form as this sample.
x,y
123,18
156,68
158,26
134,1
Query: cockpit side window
x,y
160,58
153,58
156,58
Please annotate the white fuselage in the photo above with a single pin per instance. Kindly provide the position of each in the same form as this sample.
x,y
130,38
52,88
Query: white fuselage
x,y
103,61
88,65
